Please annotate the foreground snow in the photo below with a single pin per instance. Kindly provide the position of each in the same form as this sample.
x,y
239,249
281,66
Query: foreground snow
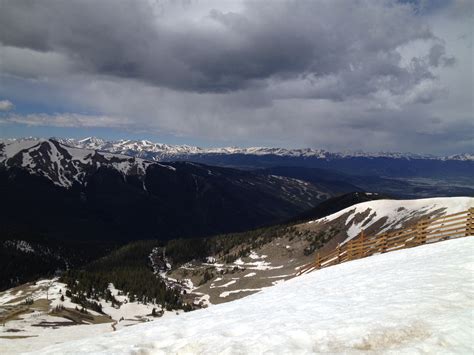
x,y
411,301
40,328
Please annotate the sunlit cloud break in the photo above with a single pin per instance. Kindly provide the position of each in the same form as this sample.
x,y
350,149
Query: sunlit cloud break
x,y
6,105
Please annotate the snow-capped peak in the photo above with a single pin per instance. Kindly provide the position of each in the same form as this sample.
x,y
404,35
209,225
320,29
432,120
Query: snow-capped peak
x,y
63,164
91,140
462,157
158,151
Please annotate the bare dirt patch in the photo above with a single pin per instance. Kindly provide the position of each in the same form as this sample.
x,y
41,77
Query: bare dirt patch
x,y
77,317
17,336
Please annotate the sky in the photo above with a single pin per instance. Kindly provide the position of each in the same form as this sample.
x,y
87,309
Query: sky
x,y
372,75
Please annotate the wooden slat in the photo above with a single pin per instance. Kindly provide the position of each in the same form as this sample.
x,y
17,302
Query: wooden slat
x,y
448,216
427,231
403,237
405,232
448,230
329,262
447,225
396,243
329,256
449,220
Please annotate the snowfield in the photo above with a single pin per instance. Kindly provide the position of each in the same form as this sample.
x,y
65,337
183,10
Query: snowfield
x,y
396,212
418,300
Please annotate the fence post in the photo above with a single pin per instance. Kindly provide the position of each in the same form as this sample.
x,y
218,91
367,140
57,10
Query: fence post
x,y
470,222
356,248
338,250
421,232
318,261
362,246
349,250
383,241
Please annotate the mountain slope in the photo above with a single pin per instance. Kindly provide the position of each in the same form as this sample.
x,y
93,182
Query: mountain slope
x,y
318,177
26,257
273,257
204,271
70,193
375,217
64,165
403,188
336,204
406,306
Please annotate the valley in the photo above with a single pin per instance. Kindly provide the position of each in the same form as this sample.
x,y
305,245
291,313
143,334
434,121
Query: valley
x,y
99,241
193,274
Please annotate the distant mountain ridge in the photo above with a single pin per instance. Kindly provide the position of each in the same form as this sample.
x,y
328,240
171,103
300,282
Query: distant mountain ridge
x,y
160,151
458,168
403,176
123,146
71,193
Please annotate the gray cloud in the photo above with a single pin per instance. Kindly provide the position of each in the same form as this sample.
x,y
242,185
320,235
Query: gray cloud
x,y
437,56
331,73
353,42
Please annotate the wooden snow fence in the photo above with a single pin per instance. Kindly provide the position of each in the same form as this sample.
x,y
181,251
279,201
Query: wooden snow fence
x,y
426,231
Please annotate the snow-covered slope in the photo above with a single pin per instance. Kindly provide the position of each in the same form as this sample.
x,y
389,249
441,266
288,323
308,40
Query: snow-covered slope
x,y
413,301
387,215
161,151
62,164
43,322
462,157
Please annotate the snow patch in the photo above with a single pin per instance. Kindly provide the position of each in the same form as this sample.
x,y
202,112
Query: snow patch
x,y
396,212
419,300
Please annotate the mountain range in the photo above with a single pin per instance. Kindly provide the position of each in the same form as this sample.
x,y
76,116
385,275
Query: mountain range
x,y
387,165
160,151
396,174
53,188
72,193
58,190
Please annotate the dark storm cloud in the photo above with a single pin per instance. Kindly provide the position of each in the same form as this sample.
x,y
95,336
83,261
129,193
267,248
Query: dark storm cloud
x,y
338,74
354,43
437,56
